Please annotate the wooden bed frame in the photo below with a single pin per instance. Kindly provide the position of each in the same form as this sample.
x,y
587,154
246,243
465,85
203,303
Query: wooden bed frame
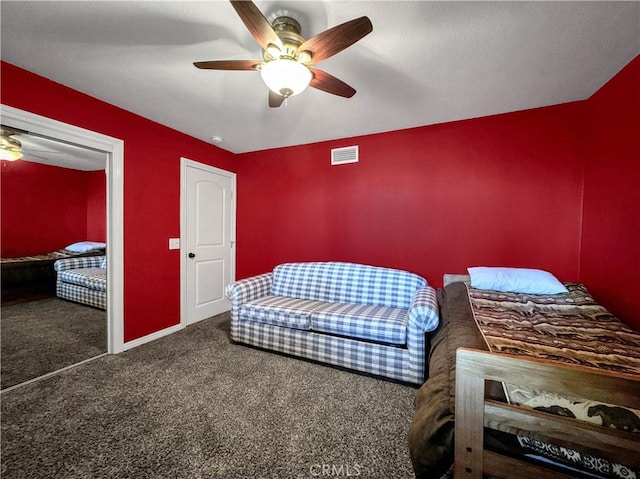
x,y
35,272
474,412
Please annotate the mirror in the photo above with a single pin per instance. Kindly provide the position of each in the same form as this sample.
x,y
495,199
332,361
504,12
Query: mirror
x,y
53,197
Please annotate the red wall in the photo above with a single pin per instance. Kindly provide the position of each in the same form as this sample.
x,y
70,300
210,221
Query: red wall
x,y
610,260
44,208
501,190
151,190
97,206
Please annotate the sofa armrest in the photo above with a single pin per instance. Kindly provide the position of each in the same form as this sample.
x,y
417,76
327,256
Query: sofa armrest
x,y
423,311
248,289
76,263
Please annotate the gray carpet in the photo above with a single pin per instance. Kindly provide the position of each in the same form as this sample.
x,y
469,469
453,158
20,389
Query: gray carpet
x,y
192,405
43,336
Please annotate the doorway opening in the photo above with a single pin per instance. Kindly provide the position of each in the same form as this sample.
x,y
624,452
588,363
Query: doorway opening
x,y
113,151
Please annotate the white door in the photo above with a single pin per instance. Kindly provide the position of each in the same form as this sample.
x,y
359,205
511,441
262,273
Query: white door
x,y
207,239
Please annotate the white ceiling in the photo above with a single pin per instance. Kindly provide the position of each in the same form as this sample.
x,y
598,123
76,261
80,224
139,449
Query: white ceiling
x,y
424,62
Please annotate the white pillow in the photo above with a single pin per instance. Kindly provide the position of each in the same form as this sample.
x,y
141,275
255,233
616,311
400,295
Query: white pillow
x,y
515,280
85,246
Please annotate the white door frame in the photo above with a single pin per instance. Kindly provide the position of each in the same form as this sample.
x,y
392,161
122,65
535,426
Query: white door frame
x,y
184,162
114,148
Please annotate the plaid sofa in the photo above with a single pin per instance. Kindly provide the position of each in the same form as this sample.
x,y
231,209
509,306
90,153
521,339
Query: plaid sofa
x,y
83,280
356,316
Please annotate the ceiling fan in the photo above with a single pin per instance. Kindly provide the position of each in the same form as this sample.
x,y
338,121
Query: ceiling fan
x,y
288,65
11,148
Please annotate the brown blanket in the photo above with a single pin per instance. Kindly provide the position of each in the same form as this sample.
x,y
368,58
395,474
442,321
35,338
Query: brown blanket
x,y
431,431
569,327
52,256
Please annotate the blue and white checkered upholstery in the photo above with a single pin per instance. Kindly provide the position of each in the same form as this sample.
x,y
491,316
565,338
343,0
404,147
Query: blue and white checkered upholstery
x,y
77,263
423,312
247,290
375,323
91,278
281,311
346,283
82,280
372,358
80,294
381,334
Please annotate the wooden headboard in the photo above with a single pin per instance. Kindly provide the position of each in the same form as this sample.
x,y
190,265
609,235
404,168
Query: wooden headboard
x,y
473,412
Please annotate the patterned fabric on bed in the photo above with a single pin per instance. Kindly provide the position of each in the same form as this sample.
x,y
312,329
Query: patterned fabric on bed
x,y
583,460
54,255
599,413
590,411
569,327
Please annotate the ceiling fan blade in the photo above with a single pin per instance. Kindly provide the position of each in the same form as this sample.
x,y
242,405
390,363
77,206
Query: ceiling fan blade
x,y
275,100
27,154
256,23
11,131
336,39
229,65
330,84
29,150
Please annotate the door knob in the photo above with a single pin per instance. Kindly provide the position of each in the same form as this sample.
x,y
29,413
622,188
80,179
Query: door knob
x,y
192,255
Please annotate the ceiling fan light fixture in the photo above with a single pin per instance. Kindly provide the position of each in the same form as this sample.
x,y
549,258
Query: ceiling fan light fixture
x,y
10,149
304,57
273,51
286,77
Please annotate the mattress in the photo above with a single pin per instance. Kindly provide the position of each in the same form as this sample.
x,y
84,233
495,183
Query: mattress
x,y
431,433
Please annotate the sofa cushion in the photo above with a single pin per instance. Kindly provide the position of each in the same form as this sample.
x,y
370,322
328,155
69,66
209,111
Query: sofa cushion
x,y
337,282
374,323
80,294
91,278
280,311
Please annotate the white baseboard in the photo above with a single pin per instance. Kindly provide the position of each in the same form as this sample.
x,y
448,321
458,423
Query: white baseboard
x,y
152,337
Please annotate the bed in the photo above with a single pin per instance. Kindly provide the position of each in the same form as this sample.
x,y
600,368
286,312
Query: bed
x,y
505,429
36,272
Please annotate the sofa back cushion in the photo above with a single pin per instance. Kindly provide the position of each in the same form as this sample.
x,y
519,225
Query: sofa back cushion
x,y
346,283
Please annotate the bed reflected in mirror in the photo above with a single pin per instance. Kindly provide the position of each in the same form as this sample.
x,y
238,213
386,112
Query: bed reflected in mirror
x,y
53,211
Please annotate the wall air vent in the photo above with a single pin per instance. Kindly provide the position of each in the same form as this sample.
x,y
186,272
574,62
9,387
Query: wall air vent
x,y
348,154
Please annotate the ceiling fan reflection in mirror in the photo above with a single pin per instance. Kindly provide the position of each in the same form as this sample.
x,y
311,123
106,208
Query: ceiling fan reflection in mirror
x,y
288,64
11,148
